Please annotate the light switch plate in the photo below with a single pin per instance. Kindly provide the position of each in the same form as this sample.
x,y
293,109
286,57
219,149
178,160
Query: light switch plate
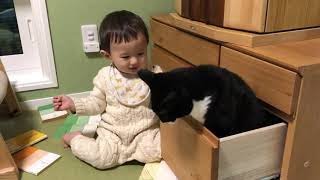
x,y
90,38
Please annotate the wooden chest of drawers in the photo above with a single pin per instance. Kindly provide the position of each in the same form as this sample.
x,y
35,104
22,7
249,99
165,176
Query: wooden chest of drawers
x,y
286,77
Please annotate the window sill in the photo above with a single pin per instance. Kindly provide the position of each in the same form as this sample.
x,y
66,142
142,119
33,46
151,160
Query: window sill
x,y
33,79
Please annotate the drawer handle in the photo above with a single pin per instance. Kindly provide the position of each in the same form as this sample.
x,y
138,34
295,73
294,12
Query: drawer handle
x,y
307,164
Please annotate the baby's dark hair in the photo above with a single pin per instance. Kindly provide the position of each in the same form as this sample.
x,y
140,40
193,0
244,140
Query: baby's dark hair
x,y
120,26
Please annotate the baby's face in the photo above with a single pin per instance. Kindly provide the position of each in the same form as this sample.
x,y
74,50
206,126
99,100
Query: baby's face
x,y
130,57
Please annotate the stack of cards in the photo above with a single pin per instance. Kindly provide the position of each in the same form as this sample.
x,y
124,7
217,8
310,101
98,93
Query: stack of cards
x,y
47,113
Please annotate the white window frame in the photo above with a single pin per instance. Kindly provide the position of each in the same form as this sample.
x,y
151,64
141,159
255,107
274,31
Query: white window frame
x,y
46,76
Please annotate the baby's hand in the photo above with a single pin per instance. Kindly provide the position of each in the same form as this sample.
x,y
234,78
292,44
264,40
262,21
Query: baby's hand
x,y
62,102
68,137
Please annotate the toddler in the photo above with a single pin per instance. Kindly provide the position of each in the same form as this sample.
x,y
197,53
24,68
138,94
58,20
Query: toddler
x,y
129,129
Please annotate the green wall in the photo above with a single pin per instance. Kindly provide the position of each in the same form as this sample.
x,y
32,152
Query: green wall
x,y
75,70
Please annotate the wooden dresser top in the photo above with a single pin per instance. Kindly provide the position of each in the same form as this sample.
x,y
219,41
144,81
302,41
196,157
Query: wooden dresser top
x,y
295,56
283,49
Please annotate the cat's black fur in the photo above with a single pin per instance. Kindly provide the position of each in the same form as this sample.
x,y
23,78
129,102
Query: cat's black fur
x,y
234,107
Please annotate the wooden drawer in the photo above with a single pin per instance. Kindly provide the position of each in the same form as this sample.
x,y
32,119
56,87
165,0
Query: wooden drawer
x,y
196,154
253,15
166,60
193,49
8,168
274,85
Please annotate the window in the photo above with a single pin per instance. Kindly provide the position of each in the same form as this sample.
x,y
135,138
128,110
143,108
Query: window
x,y
9,31
34,68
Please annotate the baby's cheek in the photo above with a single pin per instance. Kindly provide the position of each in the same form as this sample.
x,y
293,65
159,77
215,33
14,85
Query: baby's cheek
x,y
143,64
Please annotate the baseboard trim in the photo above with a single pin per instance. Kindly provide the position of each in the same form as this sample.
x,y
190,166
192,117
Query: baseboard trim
x,y
34,103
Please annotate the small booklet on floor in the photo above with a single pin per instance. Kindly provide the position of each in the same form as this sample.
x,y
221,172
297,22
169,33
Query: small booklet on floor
x,y
34,160
149,171
47,113
157,171
24,140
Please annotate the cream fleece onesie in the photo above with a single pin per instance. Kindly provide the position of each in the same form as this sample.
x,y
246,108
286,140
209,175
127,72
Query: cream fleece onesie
x,y
129,129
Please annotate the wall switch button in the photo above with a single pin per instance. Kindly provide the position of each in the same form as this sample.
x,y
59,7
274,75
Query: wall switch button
x,y
90,38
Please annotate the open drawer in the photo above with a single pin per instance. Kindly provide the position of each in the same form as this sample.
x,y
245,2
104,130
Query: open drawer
x,y
194,153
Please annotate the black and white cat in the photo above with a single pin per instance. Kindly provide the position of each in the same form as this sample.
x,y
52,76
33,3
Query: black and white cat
x,y
216,97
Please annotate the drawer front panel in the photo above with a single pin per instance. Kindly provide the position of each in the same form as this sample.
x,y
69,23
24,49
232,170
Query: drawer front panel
x,y
194,153
189,154
188,47
166,60
272,84
261,150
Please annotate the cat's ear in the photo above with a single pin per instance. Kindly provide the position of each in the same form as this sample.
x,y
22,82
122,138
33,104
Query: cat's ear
x,y
146,75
